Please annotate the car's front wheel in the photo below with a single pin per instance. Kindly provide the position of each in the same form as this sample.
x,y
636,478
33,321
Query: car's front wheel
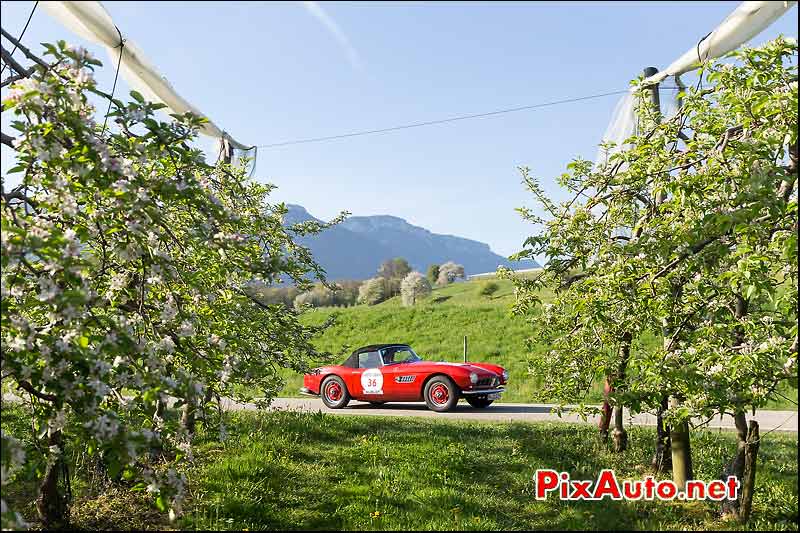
x,y
479,402
334,393
441,394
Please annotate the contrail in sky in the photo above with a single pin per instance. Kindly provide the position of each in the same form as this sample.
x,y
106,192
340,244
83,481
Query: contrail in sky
x,y
321,15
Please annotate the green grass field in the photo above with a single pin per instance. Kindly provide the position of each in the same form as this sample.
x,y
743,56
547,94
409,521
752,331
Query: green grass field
x,y
435,328
316,471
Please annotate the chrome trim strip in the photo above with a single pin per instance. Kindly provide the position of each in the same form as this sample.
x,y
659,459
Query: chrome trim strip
x,y
479,392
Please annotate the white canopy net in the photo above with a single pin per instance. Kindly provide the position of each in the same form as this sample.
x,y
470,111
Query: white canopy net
x,y
744,23
91,21
625,122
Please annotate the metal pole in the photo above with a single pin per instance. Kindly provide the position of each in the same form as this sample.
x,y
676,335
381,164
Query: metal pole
x,y
654,96
465,348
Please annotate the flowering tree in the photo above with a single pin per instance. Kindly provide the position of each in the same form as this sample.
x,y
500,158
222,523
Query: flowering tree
x,y
318,296
433,273
690,234
372,291
396,268
414,286
124,262
449,272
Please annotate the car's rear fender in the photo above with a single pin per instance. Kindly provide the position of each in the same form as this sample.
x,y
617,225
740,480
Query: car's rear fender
x,y
314,382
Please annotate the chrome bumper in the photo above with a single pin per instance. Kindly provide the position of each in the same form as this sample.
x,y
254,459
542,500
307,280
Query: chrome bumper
x,y
479,392
307,392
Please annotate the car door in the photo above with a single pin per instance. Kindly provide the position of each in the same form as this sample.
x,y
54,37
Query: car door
x,y
367,381
402,379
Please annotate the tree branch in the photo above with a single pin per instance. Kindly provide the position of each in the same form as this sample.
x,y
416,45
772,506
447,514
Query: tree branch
x,y
13,63
25,50
692,251
8,140
18,194
27,387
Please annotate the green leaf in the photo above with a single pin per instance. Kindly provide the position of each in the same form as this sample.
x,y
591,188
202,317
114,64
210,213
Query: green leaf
x,y
749,291
161,503
113,468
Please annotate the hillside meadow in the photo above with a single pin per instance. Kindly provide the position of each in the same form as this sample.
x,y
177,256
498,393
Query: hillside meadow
x,y
436,327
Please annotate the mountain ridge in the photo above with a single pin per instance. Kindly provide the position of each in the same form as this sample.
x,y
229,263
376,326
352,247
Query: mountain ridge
x,y
355,248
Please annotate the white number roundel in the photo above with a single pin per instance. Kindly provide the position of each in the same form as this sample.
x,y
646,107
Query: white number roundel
x,y
372,381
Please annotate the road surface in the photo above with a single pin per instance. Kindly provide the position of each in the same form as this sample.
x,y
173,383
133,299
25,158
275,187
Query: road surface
x,y
499,412
505,412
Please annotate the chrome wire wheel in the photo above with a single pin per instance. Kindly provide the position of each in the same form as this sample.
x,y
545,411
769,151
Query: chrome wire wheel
x,y
334,393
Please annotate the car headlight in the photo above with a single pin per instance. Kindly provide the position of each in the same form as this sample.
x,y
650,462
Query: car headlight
x,y
473,377
505,375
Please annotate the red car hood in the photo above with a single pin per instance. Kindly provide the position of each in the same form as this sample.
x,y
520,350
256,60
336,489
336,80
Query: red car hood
x,y
478,368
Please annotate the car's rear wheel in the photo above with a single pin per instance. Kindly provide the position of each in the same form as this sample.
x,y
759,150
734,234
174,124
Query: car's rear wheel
x,y
441,394
479,402
334,393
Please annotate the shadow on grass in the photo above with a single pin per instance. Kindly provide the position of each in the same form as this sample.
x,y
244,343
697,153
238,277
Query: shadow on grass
x,y
459,408
290,470
303,471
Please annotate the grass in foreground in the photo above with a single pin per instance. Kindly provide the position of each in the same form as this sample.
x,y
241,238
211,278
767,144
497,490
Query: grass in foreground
x,y
316,471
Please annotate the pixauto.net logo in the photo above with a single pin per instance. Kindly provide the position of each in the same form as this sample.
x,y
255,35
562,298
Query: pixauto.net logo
x,y
607,486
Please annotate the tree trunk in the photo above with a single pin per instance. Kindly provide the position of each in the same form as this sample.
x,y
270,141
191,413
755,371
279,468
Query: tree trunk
x,y
736,466
605,412
207,397
159,410
53,502
679,439
620,435
662,459
188,416
749,475
681,452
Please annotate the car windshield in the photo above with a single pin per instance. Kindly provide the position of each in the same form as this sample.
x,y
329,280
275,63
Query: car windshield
x,y
399,354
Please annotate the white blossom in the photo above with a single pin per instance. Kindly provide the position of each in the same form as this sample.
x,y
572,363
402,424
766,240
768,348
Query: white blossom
x,y
166,345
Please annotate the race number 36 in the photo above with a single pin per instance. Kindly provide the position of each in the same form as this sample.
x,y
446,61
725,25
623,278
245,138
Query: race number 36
x,y
372,381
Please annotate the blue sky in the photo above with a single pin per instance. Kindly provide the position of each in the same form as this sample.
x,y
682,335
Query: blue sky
x,y
272,72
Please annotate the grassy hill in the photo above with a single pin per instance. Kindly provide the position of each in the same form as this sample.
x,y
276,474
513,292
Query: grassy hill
x,y
435,329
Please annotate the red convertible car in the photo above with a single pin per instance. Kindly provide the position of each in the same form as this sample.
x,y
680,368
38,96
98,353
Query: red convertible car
x,y
383,373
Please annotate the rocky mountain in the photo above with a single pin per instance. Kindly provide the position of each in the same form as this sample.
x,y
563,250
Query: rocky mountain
x,y
355,248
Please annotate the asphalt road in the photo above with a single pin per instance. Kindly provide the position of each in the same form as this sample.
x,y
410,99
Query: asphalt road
x,y
498,412
505,412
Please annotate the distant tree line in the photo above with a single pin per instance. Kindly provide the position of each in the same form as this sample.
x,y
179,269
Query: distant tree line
x,y
395,277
